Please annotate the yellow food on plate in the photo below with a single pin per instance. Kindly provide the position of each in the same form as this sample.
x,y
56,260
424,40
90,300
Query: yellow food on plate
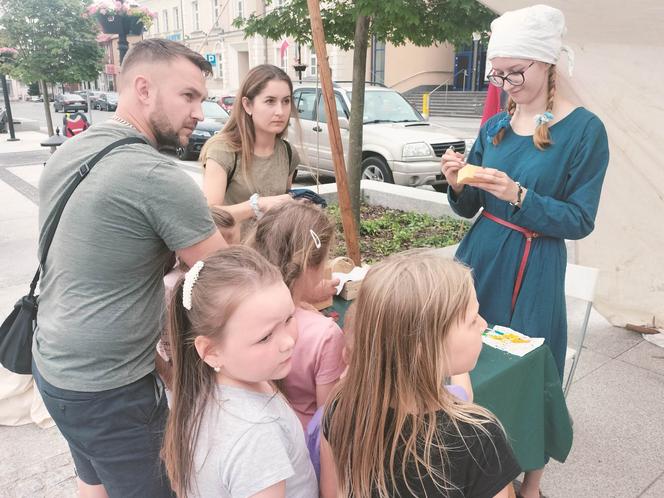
x,y
467,174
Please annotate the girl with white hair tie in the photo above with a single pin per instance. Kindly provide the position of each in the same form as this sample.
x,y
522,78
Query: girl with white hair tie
x,y
544,162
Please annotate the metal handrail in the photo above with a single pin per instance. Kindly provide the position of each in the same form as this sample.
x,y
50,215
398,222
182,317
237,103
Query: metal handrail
x,y
465,73
393,85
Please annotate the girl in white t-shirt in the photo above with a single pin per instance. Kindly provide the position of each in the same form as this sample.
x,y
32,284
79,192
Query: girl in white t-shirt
x,y
230,433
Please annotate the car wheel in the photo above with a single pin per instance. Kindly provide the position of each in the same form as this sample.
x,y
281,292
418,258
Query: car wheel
x,y
375,168
184,154
440,187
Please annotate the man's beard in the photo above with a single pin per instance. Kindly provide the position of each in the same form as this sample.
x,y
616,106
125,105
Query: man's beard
x,y
163,131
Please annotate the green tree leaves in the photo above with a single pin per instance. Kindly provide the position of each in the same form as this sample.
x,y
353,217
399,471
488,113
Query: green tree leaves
x,y
55,42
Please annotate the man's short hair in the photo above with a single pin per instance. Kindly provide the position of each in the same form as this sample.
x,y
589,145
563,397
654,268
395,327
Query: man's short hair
x,y
159,50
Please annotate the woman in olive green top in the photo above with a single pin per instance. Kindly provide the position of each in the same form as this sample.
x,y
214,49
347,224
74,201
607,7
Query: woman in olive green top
x,y
248,167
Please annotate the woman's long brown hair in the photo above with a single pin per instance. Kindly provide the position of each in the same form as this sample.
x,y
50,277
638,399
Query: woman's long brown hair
x,y
387,405
239,134
226,278
541,137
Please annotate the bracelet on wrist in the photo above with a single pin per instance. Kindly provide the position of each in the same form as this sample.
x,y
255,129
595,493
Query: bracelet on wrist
x,y
253,202
519,194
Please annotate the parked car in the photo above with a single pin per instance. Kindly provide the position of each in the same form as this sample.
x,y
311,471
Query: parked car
x,y
227,102
106,102
399,145
215,118
70,102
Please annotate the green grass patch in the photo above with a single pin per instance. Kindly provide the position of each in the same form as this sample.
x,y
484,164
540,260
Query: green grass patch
x,y
385,231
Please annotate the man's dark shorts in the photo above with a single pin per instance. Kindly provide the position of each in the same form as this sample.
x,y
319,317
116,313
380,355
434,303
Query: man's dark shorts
x,y
114,436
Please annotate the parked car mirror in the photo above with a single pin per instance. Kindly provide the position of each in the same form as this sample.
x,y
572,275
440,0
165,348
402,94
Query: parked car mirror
x,y
344,124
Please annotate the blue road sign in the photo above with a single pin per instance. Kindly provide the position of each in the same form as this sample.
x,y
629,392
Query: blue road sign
x,y
212,58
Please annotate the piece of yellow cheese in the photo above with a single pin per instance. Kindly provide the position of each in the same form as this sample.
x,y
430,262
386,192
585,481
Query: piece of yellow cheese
x,y
467,174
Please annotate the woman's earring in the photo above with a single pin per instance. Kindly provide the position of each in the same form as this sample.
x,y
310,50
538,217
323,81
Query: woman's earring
x,y
217,369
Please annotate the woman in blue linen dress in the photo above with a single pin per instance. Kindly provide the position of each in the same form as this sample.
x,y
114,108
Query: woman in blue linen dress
x,y
544,164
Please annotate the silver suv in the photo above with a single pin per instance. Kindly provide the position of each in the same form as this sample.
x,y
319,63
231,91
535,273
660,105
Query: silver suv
x,y
399,145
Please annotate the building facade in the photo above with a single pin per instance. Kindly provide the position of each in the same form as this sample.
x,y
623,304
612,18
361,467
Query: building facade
x,y
206,26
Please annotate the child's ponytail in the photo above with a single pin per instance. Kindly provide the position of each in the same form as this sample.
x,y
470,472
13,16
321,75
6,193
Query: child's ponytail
x,y
192,382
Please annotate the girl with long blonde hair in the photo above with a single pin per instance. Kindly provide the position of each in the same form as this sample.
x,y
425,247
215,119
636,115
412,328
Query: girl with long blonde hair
x,y
392,428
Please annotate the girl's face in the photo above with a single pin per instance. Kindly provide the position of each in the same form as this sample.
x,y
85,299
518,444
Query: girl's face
x,y
464,340
258,339
271,109
535,78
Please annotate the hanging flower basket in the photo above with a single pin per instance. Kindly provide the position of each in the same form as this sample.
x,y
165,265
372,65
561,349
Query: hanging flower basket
x,y
113,25
7,57
117,17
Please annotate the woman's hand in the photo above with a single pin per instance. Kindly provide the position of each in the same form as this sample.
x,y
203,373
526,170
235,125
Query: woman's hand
x,y
498,184
267,203
450,164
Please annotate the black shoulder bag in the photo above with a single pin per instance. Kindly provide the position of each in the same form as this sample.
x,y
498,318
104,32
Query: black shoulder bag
x,y
17,329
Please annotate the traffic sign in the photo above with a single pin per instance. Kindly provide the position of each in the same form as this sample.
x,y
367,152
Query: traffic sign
x,y
211,58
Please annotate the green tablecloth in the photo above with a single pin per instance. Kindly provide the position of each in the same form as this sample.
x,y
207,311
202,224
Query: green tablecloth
x,y
526,396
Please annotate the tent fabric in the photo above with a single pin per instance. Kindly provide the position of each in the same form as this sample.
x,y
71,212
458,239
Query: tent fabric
x,y
617,76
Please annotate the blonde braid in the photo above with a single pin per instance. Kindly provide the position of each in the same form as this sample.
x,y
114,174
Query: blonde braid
x,y
542,137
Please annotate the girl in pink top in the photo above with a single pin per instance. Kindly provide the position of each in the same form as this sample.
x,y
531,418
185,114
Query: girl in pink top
x,y
296,237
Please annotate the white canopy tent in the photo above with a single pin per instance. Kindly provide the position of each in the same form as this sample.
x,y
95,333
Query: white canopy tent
x,y
619,75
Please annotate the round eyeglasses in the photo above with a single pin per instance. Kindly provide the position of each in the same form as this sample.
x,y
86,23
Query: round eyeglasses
x,y
516,78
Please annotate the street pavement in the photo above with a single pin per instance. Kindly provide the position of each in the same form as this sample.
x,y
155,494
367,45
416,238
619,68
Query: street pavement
x,y
616,401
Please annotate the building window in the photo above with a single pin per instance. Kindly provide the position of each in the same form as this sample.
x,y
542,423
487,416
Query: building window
x,y
377,61
176,17
156,25
313,62
279,3
194,17
219,69
215,9
165,16
280,61
239,9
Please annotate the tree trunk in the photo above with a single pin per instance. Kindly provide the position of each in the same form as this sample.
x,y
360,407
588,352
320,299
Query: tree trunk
x,y
357,114
47,107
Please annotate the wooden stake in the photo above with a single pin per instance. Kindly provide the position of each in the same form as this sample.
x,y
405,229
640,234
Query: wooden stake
x,y
350,228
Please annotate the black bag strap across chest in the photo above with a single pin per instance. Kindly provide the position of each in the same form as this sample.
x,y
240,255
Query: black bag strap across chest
x,y
55,216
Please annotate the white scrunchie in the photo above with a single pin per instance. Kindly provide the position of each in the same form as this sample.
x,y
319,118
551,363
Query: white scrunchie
x,y
189,280
533,33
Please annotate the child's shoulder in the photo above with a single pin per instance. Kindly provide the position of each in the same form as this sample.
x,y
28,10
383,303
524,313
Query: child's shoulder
x,y
314,321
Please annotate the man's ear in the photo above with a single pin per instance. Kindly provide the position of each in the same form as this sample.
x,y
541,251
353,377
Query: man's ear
x,y
142,88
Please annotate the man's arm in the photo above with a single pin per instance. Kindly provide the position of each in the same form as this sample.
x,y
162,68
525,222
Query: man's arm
x,y
203,249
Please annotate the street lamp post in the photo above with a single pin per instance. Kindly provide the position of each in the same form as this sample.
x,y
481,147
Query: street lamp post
x,y
8,109
299,67
474,64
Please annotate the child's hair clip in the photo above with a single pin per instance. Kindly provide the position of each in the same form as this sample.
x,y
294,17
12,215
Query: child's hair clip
x,y
314,236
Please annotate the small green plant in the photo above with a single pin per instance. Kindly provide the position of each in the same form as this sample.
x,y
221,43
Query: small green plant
x,y
385,231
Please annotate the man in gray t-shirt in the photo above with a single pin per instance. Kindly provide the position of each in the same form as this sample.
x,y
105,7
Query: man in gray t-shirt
x,y
102,293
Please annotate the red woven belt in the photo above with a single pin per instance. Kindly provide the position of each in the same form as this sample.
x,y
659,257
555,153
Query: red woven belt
x,y
529,235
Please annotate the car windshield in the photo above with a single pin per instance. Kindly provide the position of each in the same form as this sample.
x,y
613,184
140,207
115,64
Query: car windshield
x,y
213,111
112,97
228,100
387,107
72,96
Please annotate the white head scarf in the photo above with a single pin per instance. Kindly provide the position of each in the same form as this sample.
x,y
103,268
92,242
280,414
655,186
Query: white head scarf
x,y
533,33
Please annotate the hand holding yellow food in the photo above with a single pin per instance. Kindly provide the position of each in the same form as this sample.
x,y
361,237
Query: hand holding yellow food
x,y
467,174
